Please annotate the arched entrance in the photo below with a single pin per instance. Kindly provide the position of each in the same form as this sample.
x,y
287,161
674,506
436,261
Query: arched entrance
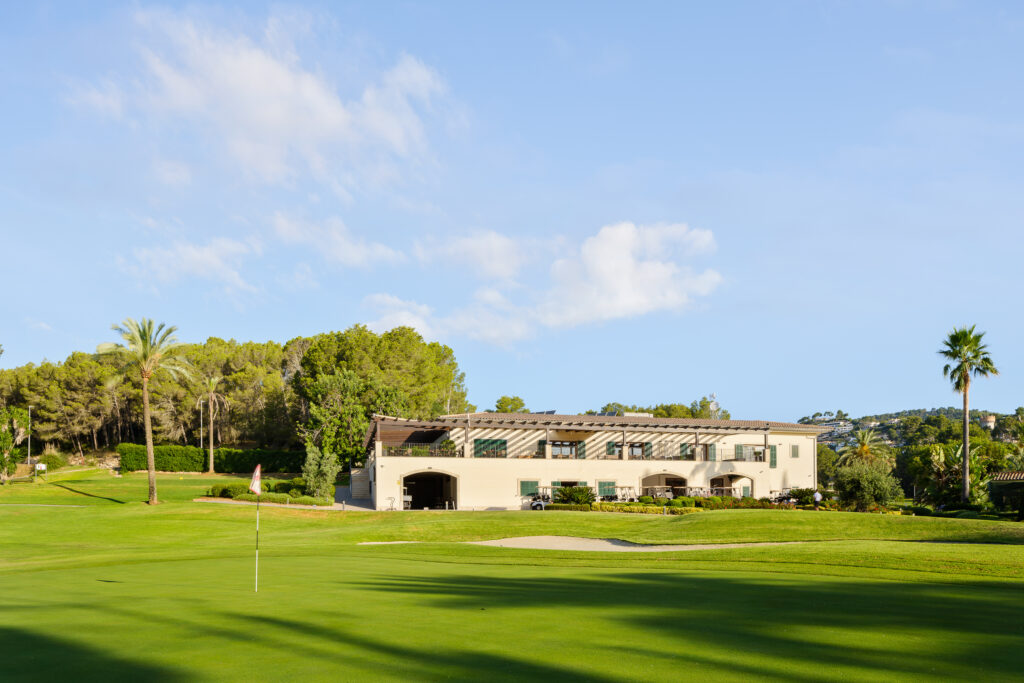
x,y
737,485
431,490
658,485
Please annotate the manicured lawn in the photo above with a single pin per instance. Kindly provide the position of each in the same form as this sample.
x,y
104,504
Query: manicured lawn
x,y
118,590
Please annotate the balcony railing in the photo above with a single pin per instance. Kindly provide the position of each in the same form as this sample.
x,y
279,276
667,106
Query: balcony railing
x,y
421,451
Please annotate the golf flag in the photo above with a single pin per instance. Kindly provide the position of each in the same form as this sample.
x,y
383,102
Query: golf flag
x,y
254,485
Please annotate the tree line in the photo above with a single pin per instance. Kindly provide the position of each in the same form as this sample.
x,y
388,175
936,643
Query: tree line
x,y
322,388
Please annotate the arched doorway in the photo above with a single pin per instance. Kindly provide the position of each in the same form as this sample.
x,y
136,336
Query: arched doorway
x,y
736,485
658,485
430,490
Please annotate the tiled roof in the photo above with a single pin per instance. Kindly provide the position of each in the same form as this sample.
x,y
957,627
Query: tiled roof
x,y
1008,476
608,421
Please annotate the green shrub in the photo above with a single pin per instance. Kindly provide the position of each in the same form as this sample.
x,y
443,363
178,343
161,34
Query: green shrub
x,y
237,461
675,503
802,496
646,499
265,498
568,506
53,461
574,495
686,501
165,458
320,471
920,510
683,510
295,493
865,485
236,490
661,501
217,490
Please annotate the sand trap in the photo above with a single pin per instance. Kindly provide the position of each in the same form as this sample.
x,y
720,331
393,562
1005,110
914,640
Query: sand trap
x,y
613,545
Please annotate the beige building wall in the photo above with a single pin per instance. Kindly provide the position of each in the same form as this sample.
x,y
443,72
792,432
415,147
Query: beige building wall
x,y
493,483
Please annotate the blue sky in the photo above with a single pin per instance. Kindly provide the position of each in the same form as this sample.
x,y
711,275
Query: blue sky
x,y
787,203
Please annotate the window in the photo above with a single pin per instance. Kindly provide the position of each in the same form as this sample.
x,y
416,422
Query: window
x,y
749,453
606,488
528,488
637,451
686,452
490,448
794,450
613,448
566,449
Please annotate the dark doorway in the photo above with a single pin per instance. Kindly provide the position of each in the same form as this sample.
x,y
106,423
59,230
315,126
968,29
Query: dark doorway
x,y
433,490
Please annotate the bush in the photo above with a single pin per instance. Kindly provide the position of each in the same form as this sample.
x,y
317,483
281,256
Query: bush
x,y
192,459
265,498
675,503
646,499
236,461
574,495
568,506
53,461
864,485
802,496
686,501
320,472
661,501
165,458
920,511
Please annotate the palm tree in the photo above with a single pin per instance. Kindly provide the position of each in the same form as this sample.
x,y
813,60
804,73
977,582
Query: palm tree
x,y
967,356
146,350
210,395
867,447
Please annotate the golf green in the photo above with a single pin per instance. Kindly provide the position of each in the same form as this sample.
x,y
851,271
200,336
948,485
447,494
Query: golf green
x,y
117,590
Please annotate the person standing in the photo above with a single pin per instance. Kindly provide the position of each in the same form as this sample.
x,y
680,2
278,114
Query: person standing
x,y
817,499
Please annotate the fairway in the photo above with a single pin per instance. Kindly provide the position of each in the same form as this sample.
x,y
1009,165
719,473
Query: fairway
x,y
117,590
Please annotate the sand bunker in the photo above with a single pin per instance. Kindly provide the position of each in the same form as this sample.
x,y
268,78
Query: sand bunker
x,y
613,545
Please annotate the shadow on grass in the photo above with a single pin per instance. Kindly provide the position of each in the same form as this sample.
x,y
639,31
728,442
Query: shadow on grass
x,y
775,627
87,494
32,657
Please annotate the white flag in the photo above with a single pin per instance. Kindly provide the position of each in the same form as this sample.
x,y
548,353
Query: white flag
x,y
254,485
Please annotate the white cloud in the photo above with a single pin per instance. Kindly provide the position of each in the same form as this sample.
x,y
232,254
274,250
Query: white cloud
x,y
623,271
274,116
218,260
488,253
334,240
627,270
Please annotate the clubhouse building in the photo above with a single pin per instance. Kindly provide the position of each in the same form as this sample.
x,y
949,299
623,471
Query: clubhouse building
x,y
504,461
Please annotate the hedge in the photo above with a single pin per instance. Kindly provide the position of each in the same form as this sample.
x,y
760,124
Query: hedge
x,y
620,507
194,459
285,499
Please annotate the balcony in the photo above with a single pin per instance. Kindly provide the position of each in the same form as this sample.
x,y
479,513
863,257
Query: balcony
x,y
417,450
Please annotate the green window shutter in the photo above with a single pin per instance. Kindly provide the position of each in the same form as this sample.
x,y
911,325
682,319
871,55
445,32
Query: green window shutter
x,y
648,449
794,450
686,451
581,449
739,452
606,488
712,453
774,460
540,446
556,483
609,448
746,492
528,488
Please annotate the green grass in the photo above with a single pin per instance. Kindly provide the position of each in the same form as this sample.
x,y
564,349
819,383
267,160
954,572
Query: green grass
x,y
118,590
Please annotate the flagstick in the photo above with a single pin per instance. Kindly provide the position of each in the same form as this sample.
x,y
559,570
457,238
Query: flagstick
x,y
257,544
